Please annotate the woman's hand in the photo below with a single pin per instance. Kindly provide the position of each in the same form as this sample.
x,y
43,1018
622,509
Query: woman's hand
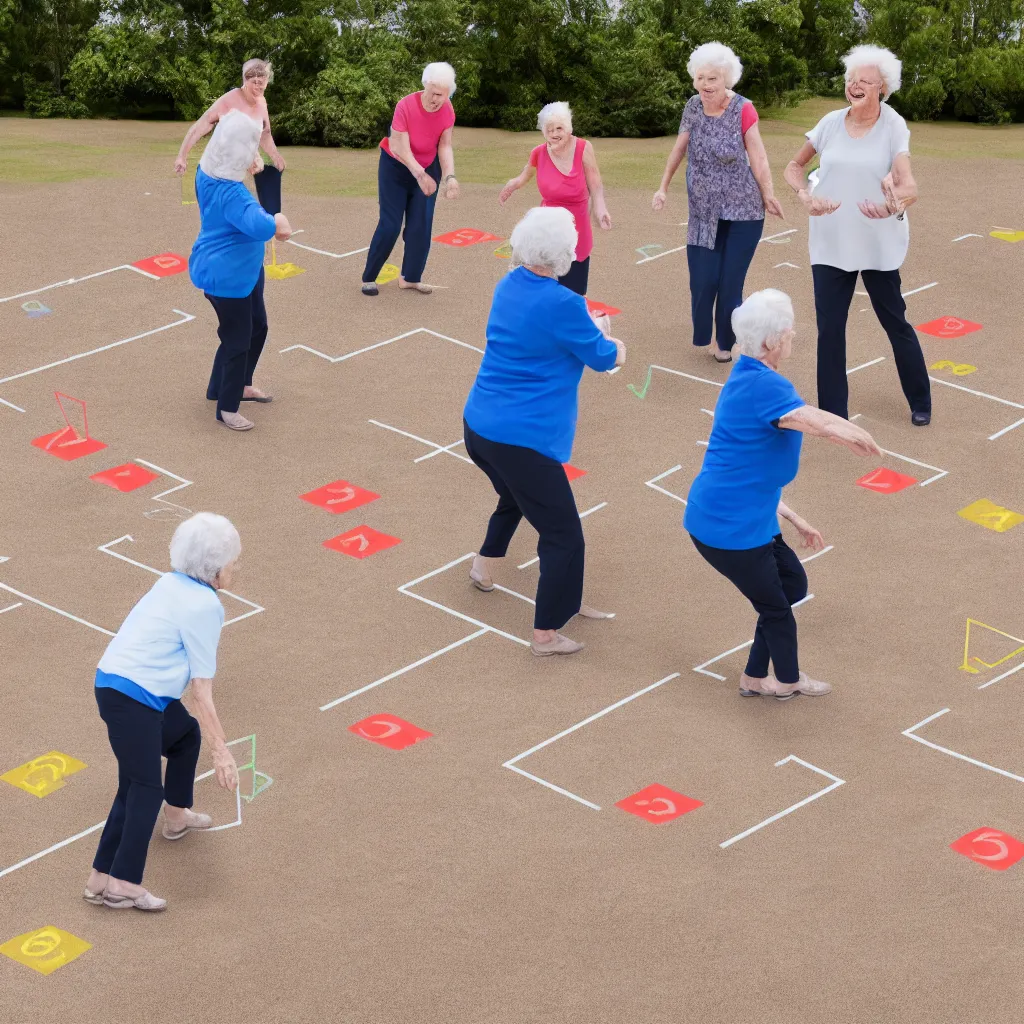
x,y
603,322
256,166
874,211
426,183
179,165
818,206
284,228
451,188
774,207
857,439
505,194
279,162
808,534
225,768
659,200
604,218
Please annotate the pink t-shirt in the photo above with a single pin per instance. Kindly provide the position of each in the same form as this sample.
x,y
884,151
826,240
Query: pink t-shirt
x,y
425,128
748,117
568,191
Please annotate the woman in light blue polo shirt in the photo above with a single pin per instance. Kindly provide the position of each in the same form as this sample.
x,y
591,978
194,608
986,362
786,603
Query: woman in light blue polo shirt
x,y
227,261
520,417
734,504
168,640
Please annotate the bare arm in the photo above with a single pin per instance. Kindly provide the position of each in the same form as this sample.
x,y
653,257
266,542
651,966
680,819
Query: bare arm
x,y
811,538
754,145
267,143
675,158
595,186
900,186
818,423
796,178
401,150
213,733
201,127
446,157
525,175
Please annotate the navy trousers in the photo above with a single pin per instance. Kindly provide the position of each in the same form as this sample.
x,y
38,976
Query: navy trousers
x,y
242,329
716,279
399,196
833,293
772,579
578,277
535,486
139,735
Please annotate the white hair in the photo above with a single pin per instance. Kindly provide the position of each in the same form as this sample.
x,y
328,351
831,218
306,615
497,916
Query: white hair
x,y
440,73
560,109
203,545
545,237
761,321
715,55
261,65
890,67
233,146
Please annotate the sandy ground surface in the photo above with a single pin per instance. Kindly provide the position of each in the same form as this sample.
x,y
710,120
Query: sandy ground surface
x,y
432,883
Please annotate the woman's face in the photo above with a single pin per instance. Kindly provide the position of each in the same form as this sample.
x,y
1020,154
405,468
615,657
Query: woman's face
x,y
556,131
710,83
864,88
225,576
255,84
434,96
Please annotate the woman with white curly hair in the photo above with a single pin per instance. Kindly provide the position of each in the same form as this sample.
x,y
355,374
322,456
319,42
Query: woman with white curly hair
x,y
858,226
416,158
168,640
567,176
734,504
729,188
520,417
250,100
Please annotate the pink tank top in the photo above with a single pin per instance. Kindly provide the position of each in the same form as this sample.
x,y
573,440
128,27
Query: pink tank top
x,y
566,190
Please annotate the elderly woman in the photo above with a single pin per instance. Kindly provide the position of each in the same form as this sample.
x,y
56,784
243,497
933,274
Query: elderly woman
x,y
415,159
256,76
227,263
168,640
858,225
729,187
520,418
567,176
734,504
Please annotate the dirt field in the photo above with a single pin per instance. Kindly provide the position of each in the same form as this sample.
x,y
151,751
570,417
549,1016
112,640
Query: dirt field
x,y
485,874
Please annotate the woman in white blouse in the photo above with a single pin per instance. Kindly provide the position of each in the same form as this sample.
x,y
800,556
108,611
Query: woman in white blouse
x,y
858,225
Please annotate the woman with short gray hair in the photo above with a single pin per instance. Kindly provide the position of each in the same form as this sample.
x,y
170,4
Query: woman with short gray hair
x,y
168,641
734,504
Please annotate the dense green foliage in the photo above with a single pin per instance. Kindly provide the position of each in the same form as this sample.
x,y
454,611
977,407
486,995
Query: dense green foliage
x,y
340,67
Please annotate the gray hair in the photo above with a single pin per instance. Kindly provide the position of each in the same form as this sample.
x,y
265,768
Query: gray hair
x,y
715,55
560,109
232,147
440,73
256,64
761,321
545,237
203,545
890,67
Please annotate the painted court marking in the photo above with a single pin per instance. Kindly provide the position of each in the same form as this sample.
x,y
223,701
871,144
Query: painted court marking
x,y
939,473
78,280
835,784
512,762
657,256
864,366
653,483
779,238
438,448
911,733
583,515
979,394
52,608
379,344
182,484
324,252
105,548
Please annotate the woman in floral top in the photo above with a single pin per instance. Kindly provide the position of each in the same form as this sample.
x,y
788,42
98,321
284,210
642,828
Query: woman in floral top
x,y
729,185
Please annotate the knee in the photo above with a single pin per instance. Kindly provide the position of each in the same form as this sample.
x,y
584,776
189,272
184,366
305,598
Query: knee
x,y
193,739
795,589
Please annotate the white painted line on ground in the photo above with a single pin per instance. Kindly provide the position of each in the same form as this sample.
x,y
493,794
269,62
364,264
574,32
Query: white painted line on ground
x,y
779,234
379,344
911,733
688,376
185,318
170,490
11,405
793,265
51,608
653,483
324,252
923,288
864,366
78,280
657,256
583,515
1000,678
835,784
939,473
962,237
11,607
447,448
817,554
438,449
1005,430
970,391
511,763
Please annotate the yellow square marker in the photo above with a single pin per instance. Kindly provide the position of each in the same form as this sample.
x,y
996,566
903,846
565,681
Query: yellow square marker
x,y
45,949
990,515
389,272
43,775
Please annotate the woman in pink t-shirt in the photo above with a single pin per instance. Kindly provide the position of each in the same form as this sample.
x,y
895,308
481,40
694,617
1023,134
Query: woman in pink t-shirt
x,y
413,159
567,176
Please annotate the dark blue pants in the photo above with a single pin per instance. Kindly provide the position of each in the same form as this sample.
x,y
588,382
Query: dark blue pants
x,y
242,329
578,277
399,196
139,735
772,579
535,486
716,279
833,293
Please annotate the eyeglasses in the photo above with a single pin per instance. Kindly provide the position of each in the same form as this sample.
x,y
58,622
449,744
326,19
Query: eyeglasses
x,y
866,85
250,75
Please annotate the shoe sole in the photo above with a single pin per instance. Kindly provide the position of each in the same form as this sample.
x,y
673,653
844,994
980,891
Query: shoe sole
x,y
549,654
480,586
129,904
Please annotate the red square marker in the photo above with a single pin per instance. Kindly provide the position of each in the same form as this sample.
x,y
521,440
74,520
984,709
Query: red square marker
x,y
949,327
601,308
68,445
572,472
886,481
658,804
361,542
389,731
341,496
167,264
990,847
125,478
466,236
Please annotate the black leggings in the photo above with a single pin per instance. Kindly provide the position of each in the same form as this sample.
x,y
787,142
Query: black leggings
x,y
578,276
772,579
535,486
242,329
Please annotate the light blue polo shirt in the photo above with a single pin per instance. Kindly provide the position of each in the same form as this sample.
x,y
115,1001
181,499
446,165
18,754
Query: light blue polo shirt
x,y
169,638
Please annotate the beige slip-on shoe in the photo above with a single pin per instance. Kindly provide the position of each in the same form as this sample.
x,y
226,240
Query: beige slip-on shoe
x,y
560,645
147,901
807,686
193,823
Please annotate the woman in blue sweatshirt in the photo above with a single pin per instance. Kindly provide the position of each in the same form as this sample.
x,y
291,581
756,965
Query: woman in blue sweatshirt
x,y
227,262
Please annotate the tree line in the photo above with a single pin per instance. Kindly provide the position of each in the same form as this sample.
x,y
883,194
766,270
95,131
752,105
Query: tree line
x,y
621,64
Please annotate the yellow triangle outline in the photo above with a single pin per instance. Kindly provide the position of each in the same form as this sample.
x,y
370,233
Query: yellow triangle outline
x,y
967,667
